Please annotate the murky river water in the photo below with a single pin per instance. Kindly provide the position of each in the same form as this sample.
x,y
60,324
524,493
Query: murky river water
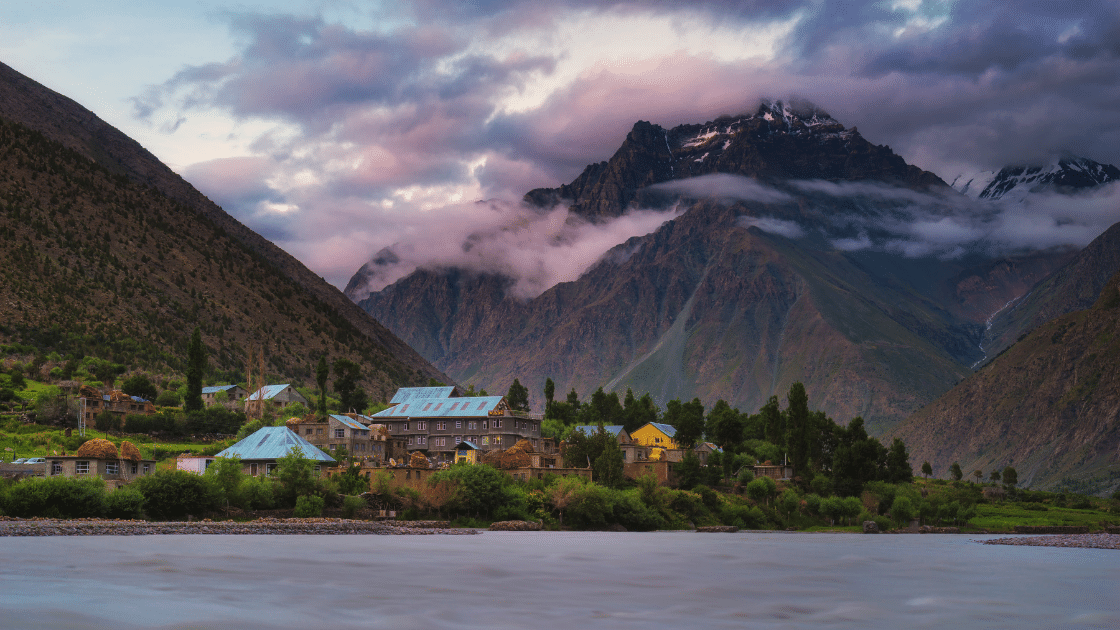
x,y
553,580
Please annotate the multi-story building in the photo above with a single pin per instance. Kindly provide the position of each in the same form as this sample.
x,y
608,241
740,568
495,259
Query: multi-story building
x,y
360,435
435,420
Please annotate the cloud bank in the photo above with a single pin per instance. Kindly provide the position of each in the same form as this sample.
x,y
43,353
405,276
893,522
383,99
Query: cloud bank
x,y
357,134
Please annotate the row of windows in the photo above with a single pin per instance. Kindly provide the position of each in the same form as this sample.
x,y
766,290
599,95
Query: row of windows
x,y
454,406
421,425
111,468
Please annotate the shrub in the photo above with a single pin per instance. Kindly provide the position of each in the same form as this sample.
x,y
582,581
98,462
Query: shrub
x,y
351,504
168,398
174,494
125,502
309,506
56,497
257,493
634,515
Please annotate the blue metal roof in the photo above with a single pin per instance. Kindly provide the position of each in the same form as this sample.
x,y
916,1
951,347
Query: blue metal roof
x,y
467,444
268,392
107,398
592,429
273,443
667,429
412,394
442,408
350,422
214,389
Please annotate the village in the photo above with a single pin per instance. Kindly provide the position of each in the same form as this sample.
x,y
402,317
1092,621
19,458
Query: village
x,y
423,430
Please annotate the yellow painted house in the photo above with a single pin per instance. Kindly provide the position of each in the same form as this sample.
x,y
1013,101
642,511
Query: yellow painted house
x,y
656,434
466,452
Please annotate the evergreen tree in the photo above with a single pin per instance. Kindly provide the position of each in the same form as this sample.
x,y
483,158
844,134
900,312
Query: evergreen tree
x,y
898,463
1010,477
322,371
927,470
518,396
196,365
346,377
798,435
724,427
955,471
690,427
774,423
549,394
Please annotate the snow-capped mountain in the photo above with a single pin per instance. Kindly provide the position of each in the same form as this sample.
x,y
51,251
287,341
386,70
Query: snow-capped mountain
x,y
1065,174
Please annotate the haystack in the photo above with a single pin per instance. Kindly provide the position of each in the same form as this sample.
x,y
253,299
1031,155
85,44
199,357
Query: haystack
x,y
88,392
516,456
418,461
118,396
130,452
99,448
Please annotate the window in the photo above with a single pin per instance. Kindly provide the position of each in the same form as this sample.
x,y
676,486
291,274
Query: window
x,y
420,439
132,468
148,468
421,426
56,468
269,469
410,440
486,440
338,433
114,468
318,469
497,424
497,439
458,438
484,424
440,426
406,426
307,431
332,446
472,425
252,469
318,431
81,468
458,424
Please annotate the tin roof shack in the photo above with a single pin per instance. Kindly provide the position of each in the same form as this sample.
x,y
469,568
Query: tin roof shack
x,y
363,439
234,393
436,419
92,402
281,395
193,463
259,451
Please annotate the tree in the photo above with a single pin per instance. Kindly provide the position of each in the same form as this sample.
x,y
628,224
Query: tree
x,y
296,473
690,427
140,385
637,412
927,470
196,366
724,427
955,471
898,463
687,471
607,467
518,396
798,432
979,474
549,394
902,510
168,398
994,475
226,472
175,494
773,422
322,371
346,377
1010,477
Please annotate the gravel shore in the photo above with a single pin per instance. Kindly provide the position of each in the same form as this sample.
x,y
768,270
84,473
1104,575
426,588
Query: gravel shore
x,y
1082,541
272,526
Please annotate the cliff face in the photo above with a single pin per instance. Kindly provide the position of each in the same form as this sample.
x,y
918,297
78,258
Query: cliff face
x,y
1049,406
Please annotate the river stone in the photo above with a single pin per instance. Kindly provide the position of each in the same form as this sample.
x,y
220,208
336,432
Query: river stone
x,y
870,527
515,526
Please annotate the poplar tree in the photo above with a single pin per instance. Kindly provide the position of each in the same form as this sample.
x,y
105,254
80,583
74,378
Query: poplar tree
x,y
196,365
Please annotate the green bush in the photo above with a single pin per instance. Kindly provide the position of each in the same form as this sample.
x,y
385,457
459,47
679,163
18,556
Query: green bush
x,y
125,502
351,504
309,506
168,398
175,494
631,513
56,497
258,493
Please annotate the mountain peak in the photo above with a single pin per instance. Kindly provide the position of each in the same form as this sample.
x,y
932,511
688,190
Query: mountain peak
x,y
1067,173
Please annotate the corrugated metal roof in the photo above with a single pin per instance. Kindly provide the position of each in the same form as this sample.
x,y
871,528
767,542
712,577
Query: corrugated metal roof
x,y
273,443
467,443
589,429
214,389
410,394
350,422
667,429
442,408
268,392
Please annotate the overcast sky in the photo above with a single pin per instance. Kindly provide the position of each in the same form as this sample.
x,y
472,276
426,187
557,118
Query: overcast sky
x,y
339,128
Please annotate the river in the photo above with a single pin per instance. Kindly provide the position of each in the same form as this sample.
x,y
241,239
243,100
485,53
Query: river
x,y
553,580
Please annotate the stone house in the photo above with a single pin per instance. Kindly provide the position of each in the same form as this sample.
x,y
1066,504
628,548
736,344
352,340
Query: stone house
x,y
436,419
115,472
92,402
234,393
362,438
280,394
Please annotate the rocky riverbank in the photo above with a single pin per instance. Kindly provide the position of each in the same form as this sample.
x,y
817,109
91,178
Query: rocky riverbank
x,y
1082,541
266,526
